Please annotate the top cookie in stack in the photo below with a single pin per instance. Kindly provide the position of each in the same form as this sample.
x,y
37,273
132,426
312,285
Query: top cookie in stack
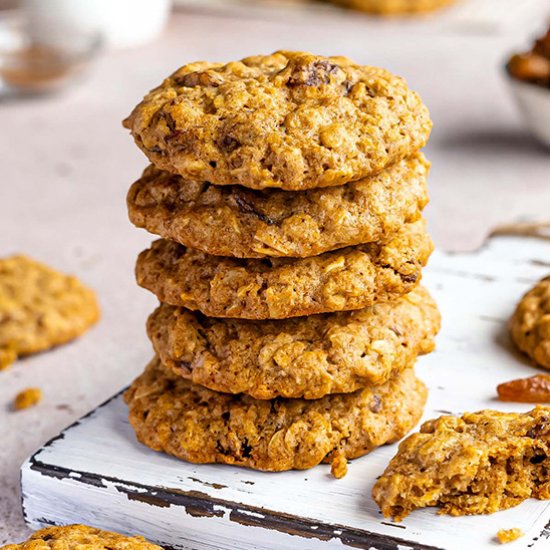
x,y
282,186
290,120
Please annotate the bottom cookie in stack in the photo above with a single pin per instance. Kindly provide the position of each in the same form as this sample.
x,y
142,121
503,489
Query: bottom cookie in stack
x,y
171,414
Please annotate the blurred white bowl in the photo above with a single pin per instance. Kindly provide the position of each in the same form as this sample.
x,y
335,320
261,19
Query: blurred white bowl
x,y
121,23
32,64
534,104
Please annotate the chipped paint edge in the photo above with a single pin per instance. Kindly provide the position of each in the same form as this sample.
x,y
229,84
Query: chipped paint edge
x,y
200,505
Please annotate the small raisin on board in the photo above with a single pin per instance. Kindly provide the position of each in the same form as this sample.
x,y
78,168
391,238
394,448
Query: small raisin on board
x,y
535,389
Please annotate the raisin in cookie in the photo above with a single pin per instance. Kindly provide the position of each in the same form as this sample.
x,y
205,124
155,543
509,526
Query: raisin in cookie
x,y
171,414
40,308
81,537
475,464
240,222
305,357
530,324
276,288
290,120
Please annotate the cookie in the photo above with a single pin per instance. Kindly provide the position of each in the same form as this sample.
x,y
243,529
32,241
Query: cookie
x,y
395,7
81,537
171,414
276,288
530,324
306,357
475,464
240,222
290,120
40,308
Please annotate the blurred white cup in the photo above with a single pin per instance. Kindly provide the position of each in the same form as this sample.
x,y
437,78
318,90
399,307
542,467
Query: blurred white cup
x,y
121,23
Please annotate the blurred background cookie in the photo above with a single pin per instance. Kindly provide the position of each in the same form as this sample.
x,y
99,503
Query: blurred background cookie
x,y
40,308
395,7
72,537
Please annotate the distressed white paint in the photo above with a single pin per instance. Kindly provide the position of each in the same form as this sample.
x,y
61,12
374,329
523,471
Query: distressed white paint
x,y
476,293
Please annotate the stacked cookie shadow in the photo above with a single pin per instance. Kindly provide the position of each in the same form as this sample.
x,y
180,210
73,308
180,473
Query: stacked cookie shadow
x,y
288,191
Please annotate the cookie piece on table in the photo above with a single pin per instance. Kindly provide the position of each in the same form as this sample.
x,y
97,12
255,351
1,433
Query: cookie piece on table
x,y
395,7
40,308
240,222
72,537
475,464
276,288
291,120
305,357
171,414
26,398
530,324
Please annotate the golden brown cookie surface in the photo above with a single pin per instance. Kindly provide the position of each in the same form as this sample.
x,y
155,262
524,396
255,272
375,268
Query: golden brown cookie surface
x,y
40,308
530,324
395,7
276,288
81,537
235,221
475,464
291,120
305,357
170,414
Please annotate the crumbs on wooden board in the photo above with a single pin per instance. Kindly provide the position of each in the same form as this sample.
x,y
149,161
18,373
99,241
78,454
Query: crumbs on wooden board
x,y
509,535
339,466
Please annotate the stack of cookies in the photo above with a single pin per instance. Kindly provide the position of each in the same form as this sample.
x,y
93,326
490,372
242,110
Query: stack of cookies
x,y
288,191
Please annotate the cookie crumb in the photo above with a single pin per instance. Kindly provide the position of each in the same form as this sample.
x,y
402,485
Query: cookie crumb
x,y
7,357
27,398
509,535
339,466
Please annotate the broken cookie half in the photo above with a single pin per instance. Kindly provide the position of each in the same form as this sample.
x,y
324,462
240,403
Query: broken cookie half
x,y
478,463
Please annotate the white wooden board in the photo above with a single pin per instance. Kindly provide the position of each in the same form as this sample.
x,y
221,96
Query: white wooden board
x,y
96,473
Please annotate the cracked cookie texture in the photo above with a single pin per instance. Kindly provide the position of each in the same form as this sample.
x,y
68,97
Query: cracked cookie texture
x,y
81,537
40,308
291,120
276,288
240,222
530,324
171,414
305,357
475,464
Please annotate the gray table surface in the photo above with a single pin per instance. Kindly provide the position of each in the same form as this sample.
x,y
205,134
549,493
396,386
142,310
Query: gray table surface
x,y
67,164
